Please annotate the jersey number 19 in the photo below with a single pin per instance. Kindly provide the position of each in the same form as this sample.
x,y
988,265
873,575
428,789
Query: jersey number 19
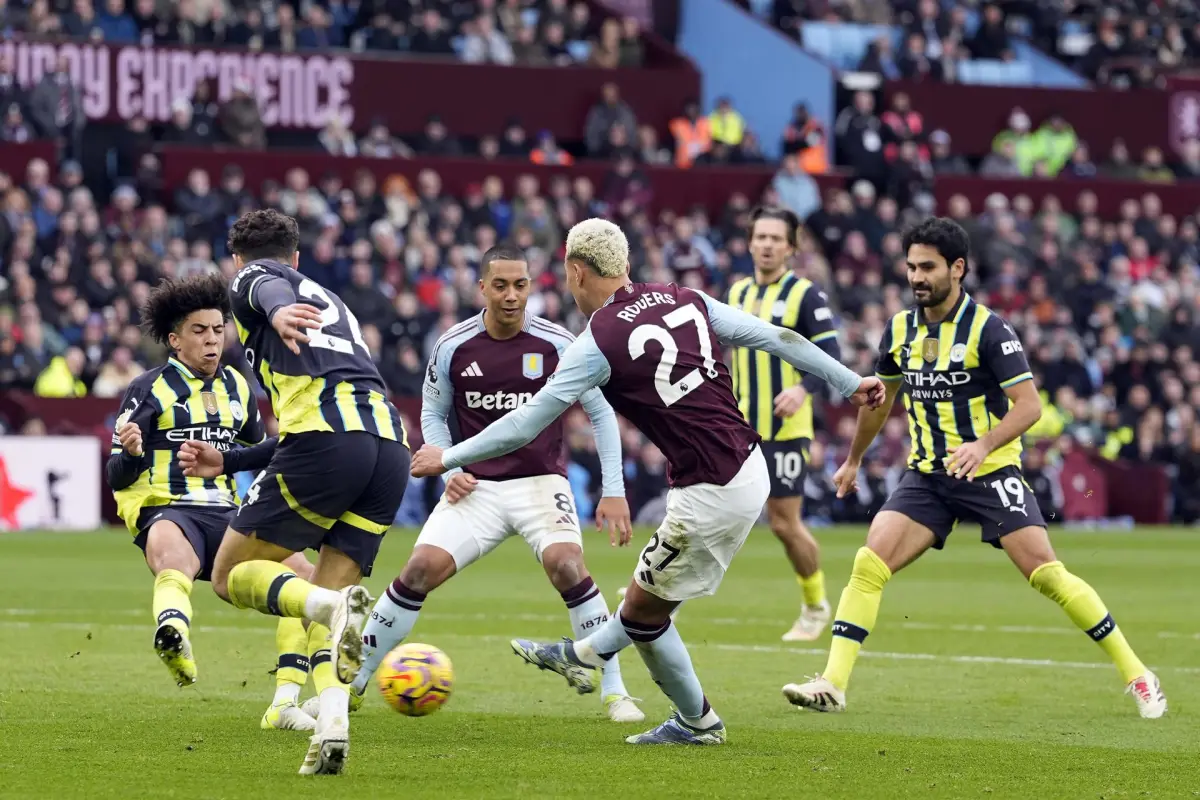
x,y
330,316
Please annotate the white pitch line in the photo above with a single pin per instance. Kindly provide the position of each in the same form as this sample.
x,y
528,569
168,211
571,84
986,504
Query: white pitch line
x,y
737,648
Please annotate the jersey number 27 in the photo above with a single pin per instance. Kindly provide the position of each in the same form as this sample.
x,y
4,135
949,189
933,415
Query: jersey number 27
x,y
330,316
672,392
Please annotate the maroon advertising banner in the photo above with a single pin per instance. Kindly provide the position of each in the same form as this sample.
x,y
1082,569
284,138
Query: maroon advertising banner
x,y
304,90
973,115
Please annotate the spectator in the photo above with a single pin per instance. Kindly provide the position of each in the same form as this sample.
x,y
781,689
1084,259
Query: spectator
x,y
116,374
1119,164
1153,169
515,144
336,139
606,48
61,377
56,107
318,32
726,125
1080,165
942,159
1052,145
431,37
547,151
861,138
805,137
633,50
880,59
240,119
200,207
797,189
691,134
184,129
379,143
80,23
648,147
116,25
991,39
483,44
14,128
1188,167
437,141
1001,163
610,112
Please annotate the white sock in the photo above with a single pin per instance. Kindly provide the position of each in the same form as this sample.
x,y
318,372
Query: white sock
x,y
319,605
596,649
395,613
286,693
335,705
588,612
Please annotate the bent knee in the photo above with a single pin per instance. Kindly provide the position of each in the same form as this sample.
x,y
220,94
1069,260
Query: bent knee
x,y
564,566
220,584
428,568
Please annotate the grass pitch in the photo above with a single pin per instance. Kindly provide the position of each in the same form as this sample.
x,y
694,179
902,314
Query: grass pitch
x,y
973,685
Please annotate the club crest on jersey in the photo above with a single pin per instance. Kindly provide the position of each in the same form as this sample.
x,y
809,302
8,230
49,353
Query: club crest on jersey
x,y
210,401
929,350
532,365
958,352
235,408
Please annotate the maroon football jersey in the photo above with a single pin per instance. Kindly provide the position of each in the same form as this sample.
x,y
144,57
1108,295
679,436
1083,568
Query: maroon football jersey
x,y
487,378
666,377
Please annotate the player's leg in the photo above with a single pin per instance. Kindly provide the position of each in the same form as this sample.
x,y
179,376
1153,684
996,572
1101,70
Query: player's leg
x,y
788,465
913,520
455,536
564,565
174,560
291,665
1031,552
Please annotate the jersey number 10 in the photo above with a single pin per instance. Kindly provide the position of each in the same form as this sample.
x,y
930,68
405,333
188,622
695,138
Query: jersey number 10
x,y
330,316
672,392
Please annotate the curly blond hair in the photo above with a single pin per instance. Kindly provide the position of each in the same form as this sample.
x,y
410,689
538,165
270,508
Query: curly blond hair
x,y
601,245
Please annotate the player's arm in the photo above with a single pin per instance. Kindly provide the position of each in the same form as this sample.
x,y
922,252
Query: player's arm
x,y
127,458
437,401
249,459
1003,355
253,431
737,327
815,323
870,420
608,442
259,290
581,367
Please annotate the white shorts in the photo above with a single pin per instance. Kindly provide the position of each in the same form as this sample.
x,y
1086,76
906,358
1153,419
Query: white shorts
x,y
704,528
541,509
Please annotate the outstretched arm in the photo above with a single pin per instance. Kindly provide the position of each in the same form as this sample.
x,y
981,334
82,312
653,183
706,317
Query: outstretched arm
x,y
739,328
437,395
581,367
608,442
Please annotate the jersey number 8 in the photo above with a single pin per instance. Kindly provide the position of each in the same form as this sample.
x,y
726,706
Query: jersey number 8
x,y
672,392
330,316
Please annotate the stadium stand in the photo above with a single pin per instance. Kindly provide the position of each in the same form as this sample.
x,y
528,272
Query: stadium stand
x,y
1097,269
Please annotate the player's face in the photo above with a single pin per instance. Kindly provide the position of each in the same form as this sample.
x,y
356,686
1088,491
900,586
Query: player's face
x,y
199,339
929,276
769,245
506,290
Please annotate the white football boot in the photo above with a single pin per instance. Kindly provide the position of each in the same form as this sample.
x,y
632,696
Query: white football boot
x,y
1148,694
810,624
346,626
817,694
287,716
621,708
328,749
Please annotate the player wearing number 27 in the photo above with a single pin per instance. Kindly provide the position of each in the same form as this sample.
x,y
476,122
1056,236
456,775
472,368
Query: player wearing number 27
x,y
478,371
969,396
654,351
332,483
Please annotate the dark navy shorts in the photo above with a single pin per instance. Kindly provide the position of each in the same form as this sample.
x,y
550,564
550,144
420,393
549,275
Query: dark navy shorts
x,y
204,528
787,462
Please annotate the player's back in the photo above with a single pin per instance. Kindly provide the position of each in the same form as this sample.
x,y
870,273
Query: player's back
x,y
667,378
332,384
485,378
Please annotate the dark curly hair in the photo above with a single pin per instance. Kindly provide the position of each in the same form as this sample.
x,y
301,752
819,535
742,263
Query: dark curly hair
x,y
942,234
264,234
172,300
784,215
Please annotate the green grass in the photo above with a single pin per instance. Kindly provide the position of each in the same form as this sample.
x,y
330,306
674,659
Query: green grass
x,y
971,686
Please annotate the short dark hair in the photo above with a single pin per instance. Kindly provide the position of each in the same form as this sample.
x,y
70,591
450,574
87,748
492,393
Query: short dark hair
x,y
942,234
784,215
501,252
172,300
264,234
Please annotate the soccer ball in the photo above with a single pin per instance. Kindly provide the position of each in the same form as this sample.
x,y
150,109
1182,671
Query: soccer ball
x,y
416,679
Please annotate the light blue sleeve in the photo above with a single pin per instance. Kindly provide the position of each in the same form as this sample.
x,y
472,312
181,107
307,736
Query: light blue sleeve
x,y
745,330
438,399
581,367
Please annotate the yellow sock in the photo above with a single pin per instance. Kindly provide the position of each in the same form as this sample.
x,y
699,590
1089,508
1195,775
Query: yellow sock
x,y
1087,611
320,658
291,643
270,588
813,588
856,614
173,599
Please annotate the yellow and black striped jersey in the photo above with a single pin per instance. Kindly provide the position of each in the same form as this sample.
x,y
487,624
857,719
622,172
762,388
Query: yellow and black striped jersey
x,y
172,405
332,385
789,302
955,373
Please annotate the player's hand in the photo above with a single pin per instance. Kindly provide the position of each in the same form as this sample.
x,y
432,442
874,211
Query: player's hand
x,y
130,436
965,461
613,512
291,322
459,486
200,459
427,462
789,401
871,393
845,480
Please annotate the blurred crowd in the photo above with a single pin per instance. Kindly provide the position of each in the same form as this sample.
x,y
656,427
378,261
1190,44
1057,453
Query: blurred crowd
x,y
477,31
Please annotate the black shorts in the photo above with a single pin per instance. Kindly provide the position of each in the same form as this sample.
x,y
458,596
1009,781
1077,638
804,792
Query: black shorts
x,y
203,527
335,489
1001,502
788,464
